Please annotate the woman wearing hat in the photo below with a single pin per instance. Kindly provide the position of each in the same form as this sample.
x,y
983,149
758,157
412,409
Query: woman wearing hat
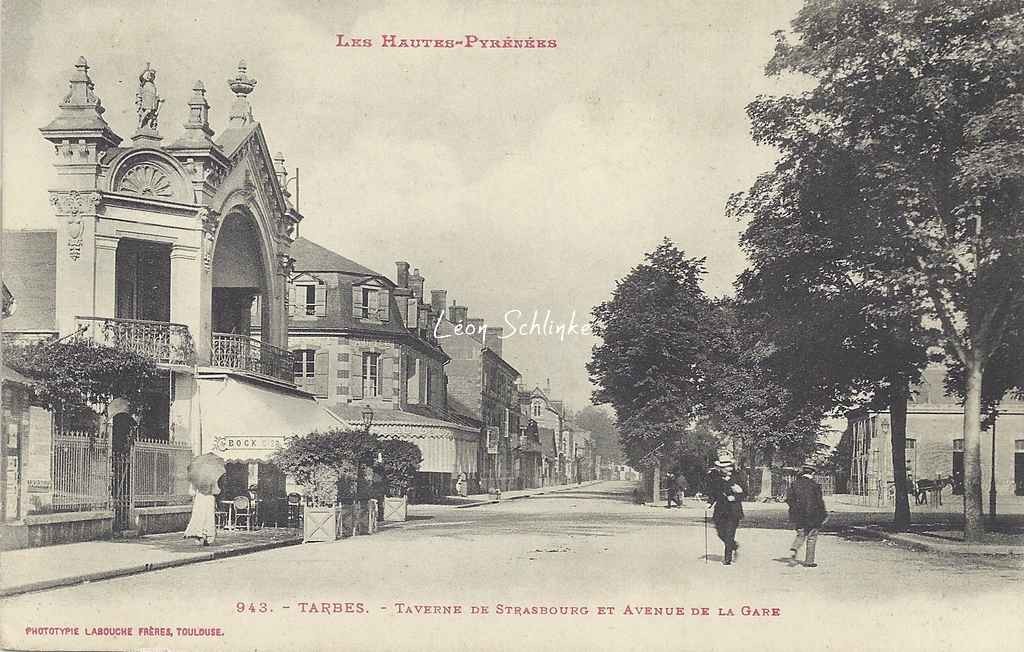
x,y
725,492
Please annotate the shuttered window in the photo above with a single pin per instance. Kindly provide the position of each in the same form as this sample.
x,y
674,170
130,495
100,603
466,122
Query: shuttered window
x,y
371,375
370,303
307,299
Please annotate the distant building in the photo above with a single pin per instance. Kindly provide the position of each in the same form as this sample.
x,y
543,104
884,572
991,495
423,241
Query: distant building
x,y
481,388
935,447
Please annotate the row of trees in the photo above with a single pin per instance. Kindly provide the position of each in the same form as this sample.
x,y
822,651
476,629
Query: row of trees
x,y
677,366
889,233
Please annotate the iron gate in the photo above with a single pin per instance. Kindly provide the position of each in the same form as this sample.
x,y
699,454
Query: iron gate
x,y
121,489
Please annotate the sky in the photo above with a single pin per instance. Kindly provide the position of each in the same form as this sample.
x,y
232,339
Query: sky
x,y
523,181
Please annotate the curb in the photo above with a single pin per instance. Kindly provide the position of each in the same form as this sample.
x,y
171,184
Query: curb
x,y
925,544
195,558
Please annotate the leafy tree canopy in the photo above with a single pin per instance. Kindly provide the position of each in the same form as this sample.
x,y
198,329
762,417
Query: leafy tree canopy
x,y
78,372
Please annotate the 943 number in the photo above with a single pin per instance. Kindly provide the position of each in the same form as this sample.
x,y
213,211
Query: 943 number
x,y
252,607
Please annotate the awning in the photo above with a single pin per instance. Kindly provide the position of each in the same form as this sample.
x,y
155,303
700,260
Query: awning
x,y
447,447
248,421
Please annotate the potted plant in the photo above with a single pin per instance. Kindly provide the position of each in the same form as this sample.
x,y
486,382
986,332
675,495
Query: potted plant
x,y
325,465
397,465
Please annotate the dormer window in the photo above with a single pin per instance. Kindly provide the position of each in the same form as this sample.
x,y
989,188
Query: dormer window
x,y
370,301
308,298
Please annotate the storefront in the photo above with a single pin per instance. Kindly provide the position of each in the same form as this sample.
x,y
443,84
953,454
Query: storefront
x,y
246,422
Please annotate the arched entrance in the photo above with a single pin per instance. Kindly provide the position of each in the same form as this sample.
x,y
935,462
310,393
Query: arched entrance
x,y
239,278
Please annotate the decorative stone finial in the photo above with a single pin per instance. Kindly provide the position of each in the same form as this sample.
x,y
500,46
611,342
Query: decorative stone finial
x,y
81,88
147,104
198,126
241,85
80,118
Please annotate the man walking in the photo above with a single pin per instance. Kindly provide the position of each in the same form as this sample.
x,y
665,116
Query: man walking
x,y
807,512
725,492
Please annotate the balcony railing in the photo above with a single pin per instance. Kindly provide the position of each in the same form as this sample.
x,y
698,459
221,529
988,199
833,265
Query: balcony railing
x,y
161,341
251,355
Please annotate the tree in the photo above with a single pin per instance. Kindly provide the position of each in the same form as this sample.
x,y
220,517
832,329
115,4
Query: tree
x,y
604,431
657,340
77,374
917,107
399,462
327,464
765,420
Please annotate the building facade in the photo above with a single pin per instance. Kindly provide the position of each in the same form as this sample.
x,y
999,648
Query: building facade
x,y
935,445
160,247
360,340
482,388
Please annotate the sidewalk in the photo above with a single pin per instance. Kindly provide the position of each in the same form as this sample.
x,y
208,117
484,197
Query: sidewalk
x,y
939,541
476,500
36,569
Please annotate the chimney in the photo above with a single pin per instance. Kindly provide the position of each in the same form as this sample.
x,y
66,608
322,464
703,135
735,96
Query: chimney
x,y
547,387
402,276
475,327
416,283
457,314
438,298
494,340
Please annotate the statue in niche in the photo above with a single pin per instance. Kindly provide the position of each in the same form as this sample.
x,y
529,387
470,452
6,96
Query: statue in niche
x,y
147,101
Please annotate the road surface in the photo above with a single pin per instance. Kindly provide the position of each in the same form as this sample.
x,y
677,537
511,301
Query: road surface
x,y
579,570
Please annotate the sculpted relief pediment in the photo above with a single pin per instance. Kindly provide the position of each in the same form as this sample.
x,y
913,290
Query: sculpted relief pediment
x,y
151,175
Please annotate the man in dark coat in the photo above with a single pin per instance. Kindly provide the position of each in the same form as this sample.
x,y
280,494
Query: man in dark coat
x,y
806,512
725,492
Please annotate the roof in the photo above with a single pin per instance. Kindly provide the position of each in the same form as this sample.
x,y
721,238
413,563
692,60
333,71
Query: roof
x,y
230,139
311,257
353,414
30,272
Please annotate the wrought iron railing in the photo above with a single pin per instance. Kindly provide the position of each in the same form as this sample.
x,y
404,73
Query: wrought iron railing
x,y
159,472
251,355
80,472
164,342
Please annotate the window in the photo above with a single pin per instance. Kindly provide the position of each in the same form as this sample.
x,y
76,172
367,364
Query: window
x,y
371,375
303,363
369,298
308,298
306,294
536,409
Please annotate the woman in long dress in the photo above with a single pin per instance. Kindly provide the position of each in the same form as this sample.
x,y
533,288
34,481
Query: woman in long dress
x,y
202,525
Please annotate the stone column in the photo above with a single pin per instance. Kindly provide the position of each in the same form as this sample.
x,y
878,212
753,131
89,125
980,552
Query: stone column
x,y
186,295
105,304
75,257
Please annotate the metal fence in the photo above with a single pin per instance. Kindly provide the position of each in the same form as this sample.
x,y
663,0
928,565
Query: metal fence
x,y
159,471
80,472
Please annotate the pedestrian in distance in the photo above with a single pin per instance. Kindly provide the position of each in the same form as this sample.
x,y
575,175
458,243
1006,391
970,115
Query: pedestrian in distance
x,y
681,488
725,492
806,512
670,490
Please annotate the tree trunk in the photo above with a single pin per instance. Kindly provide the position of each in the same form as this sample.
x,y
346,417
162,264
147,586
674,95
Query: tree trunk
x,y
973,526
898,415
